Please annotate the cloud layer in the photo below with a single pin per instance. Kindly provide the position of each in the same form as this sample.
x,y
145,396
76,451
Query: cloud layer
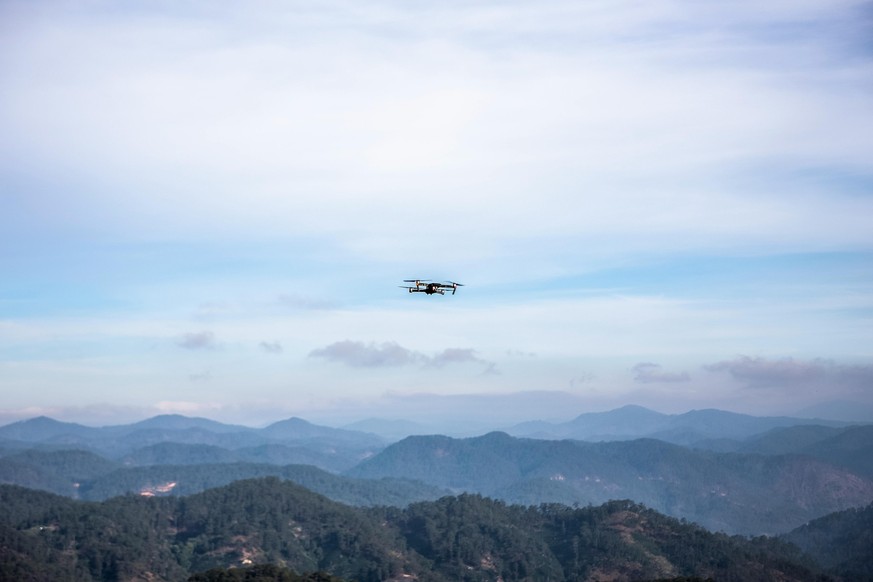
x,y
758,372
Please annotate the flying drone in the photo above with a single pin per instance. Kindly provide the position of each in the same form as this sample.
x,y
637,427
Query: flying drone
x,y
429,287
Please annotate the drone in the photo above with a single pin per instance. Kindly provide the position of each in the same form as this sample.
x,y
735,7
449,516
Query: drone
x,y
428,287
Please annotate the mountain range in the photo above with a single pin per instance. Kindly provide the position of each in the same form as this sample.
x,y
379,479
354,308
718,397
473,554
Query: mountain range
x,y
690,428
747,493
285,442
737,473
625,423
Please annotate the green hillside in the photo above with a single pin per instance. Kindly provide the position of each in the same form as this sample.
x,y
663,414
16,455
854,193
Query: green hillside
x,y
467,538
842,542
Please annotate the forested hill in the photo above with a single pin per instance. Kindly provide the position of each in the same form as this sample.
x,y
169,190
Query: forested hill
x,y
467,538
841,542
733,492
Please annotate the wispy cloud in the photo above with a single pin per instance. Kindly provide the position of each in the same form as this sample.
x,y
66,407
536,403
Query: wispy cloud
x,y
200,377
201,340
297,301
520,354
758,372
454,356
390,354
185,407
368,355
581,379
271,347
647,372
461,356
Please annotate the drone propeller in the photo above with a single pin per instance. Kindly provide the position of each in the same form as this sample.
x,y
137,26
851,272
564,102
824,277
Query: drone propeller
x,y
454,286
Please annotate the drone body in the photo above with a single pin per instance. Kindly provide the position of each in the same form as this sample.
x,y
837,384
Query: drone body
x,y
428,287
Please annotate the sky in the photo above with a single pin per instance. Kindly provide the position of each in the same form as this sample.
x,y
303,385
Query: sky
x,y
207,208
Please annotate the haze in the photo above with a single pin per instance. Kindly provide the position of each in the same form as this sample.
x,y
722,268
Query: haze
x,y
207,209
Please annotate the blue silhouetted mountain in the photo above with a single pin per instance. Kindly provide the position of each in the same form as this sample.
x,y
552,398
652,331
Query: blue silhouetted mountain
x,y
297,429
690,428
849,447
47,430
180,422
331,448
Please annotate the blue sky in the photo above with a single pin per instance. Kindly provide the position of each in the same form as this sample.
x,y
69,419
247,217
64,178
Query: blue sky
x,y
206,208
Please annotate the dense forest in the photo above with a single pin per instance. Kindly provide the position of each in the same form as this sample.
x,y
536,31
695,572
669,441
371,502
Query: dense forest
x,y
842,542
260,573
214,534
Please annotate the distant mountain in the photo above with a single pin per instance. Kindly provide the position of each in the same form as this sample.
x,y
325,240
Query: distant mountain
x,y
44,429
170,453
391,430
620,422
787,440
850,447
299,430
176,480
465,538
736,493
325,458
632,422
329,448
173,453
845,410
61,472
180,422
135,439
